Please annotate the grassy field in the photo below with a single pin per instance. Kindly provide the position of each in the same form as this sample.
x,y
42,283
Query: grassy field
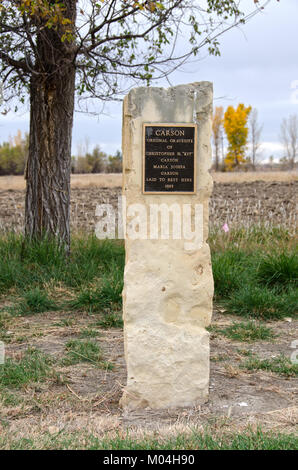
x,y
65,371
115,180
191,440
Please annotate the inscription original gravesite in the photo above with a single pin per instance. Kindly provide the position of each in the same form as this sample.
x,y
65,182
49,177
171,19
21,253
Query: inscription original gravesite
x,y
168,284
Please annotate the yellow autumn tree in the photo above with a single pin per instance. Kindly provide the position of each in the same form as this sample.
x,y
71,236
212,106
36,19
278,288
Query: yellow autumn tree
x,y
236,128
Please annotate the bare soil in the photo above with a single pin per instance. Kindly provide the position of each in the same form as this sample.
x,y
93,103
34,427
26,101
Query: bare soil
x,y
244,204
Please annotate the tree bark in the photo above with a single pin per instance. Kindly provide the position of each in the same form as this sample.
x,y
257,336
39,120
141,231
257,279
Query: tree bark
x,y
216,155
47,207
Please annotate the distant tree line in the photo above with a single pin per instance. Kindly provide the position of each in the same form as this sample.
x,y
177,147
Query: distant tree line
x,y
14,154
239,126
97,162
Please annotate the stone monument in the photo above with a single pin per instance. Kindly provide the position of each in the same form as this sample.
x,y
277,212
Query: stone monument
x,y
168,284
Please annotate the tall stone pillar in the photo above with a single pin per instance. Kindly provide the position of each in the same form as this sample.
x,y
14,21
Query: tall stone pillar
x,y
168,284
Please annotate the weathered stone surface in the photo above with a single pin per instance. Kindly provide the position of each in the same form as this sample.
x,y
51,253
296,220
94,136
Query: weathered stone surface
x,y
168,289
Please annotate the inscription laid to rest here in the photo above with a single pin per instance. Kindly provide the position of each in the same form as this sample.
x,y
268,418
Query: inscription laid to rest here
x,y
169,158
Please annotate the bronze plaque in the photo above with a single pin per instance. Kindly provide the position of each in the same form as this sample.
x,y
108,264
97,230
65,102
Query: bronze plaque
x,y
169,161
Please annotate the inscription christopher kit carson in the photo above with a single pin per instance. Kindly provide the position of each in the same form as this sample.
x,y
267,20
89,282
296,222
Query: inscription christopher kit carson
x,y
169,164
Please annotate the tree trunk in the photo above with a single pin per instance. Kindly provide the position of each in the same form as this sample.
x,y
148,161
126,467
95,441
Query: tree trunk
x,y
217,156
47,207
52,86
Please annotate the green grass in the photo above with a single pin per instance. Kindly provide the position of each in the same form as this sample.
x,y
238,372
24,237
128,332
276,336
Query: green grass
x,y
255,272
26,265
3,320
261,302
229,268
195,440
219,357
82,351
93,274
108,295
88,333
90,300
9,399
4,326
245,331
35,301
280,365
34,366
110,320
279,270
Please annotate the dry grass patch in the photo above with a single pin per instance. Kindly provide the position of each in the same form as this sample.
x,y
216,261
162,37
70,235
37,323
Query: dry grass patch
x,y
106,180
251,176
114,180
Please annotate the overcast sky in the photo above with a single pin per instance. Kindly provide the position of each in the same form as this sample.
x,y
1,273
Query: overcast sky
x,y
258,66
